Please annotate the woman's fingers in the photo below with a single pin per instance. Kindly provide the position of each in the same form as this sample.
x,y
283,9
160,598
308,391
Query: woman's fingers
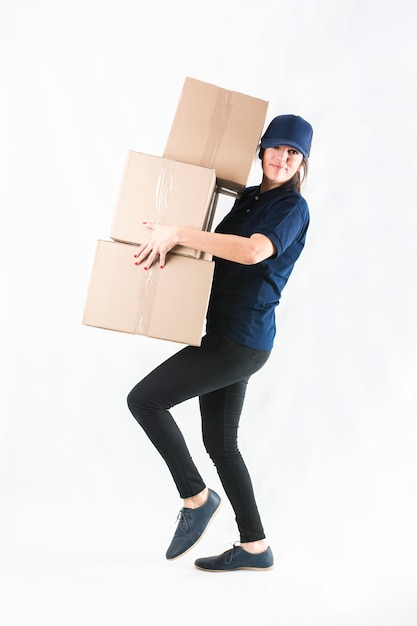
x,y
143,252
150,257
160,242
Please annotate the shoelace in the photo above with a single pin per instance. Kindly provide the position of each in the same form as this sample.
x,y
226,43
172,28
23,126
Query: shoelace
x,y
230,554
182,521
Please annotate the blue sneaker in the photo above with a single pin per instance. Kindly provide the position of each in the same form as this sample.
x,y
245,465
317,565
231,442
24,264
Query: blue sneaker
x,y
192,524
235,559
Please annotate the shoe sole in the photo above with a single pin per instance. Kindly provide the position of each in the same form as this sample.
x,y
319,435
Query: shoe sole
x,y
235,569
200,537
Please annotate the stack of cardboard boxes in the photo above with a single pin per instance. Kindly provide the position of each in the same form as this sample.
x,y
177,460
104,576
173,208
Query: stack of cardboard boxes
x,y
210,150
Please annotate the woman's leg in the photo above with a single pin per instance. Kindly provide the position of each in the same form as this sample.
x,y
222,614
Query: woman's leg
x,y
192,372
149,402
220,411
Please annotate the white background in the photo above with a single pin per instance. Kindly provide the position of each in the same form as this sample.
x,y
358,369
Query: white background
x,y
328,431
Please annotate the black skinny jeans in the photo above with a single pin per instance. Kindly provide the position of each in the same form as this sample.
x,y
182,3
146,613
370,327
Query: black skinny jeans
x,y
217,372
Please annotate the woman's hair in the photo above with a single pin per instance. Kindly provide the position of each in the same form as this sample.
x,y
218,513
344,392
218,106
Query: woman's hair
x,y
297,178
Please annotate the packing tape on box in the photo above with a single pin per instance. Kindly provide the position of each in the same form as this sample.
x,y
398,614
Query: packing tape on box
x,y
147,299
218,121
163,190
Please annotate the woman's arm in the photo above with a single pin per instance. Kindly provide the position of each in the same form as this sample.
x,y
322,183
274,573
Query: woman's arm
x,y
245,250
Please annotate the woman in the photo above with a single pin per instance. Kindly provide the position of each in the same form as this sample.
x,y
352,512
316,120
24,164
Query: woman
x,y
255,248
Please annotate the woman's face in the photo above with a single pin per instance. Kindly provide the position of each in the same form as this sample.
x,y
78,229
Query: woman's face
x,y
279,165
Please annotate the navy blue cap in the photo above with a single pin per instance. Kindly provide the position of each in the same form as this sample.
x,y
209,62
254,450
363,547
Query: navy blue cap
x,y
289,130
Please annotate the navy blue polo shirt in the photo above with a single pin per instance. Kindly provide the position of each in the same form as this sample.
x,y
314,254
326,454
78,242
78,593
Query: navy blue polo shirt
x,y
244,297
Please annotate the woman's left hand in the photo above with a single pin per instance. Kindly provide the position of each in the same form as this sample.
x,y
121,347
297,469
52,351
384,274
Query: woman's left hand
x,y
161,240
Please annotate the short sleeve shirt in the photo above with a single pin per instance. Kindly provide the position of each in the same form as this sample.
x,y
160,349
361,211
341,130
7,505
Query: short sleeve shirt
x,y
244,297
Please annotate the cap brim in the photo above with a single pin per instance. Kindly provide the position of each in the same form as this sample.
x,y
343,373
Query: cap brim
x,y
270,142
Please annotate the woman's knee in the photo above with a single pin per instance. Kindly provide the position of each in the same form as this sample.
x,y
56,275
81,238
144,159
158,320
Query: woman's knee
x,y
219,450
131,400
143,401
133,403
138,402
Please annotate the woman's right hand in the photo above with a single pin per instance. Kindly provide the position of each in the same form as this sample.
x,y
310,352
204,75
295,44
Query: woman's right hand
x,y
162,239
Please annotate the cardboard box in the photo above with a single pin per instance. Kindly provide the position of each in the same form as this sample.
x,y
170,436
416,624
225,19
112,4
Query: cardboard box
x,y
218,129
164,191
169,303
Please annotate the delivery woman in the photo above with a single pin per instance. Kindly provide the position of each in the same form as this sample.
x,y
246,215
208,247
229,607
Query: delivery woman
x,y
255,248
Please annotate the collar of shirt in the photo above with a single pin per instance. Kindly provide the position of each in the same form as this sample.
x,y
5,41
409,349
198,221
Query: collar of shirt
x,y
253,193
